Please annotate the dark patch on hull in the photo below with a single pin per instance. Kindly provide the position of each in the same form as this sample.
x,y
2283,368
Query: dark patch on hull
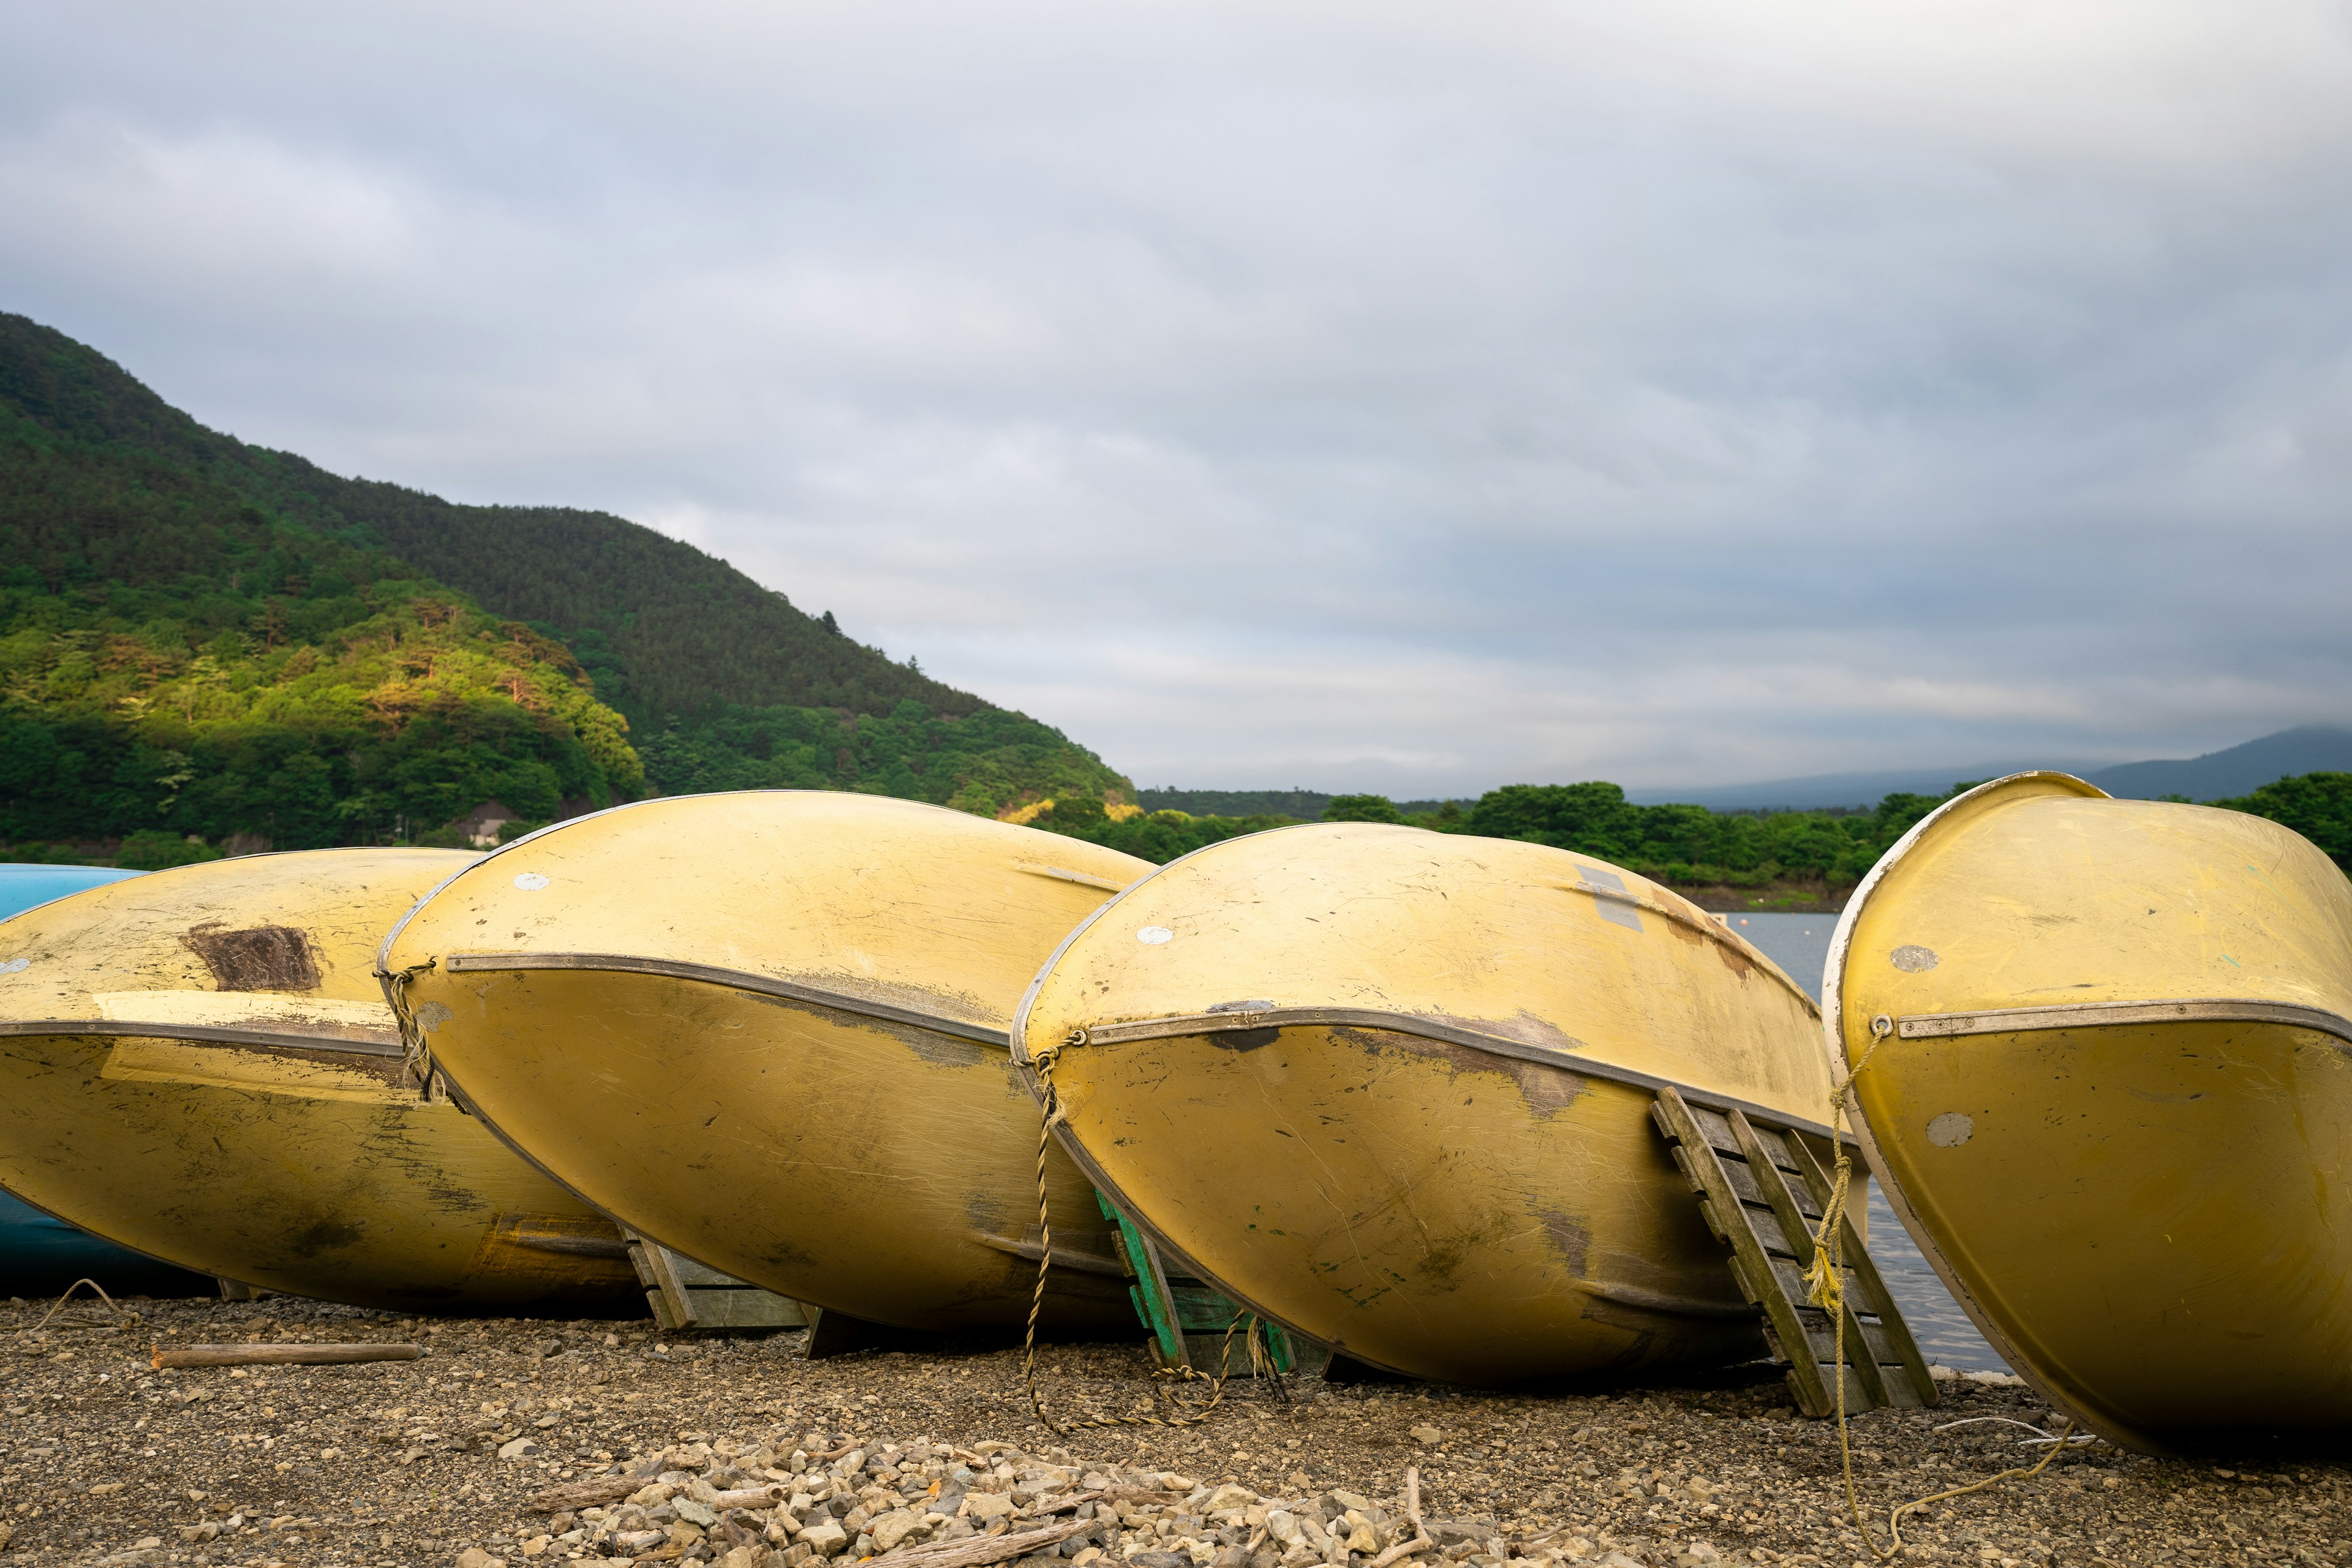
x,y
258,958
1545,1089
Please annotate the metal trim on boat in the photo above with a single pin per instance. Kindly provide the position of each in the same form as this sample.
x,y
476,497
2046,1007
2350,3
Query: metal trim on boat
x,y
1430,1029
209,1034
2093,1015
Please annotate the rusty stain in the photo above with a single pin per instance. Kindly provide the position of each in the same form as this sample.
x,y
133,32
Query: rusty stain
x,y
258,958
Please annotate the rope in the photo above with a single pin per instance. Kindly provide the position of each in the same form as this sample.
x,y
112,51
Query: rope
x,y
415,1056
1825,1285
122,1320
1050,1103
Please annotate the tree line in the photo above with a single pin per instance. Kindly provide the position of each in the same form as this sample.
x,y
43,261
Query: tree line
x,y
1682,846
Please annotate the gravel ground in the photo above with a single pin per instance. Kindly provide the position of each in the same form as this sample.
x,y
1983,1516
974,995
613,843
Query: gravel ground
x,y
431,1462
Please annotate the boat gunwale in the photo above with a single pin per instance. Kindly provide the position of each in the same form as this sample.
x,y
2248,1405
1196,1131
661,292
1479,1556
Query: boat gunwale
x,y
1897,1199
1181,1026
733,979
200,1033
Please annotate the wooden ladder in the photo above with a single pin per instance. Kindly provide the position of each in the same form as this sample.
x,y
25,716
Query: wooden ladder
x,y
1763,1191
685,1294
1188,1319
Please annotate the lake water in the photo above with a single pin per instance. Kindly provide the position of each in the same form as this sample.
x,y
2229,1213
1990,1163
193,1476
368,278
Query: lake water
x,y
1800,944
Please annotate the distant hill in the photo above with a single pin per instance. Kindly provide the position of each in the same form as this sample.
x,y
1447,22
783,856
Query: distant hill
x,y
2238,771
1832,792
663,628
203,639
2218,774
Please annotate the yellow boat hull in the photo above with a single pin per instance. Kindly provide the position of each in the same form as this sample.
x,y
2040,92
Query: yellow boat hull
x,y
1392,1089
768,1031
2110,1096
198,1063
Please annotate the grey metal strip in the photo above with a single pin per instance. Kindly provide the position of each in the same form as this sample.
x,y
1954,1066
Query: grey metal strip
x,y
2092,1014
1064,874
207,1034
1431,1029
1064,1256
733,979
1661,1302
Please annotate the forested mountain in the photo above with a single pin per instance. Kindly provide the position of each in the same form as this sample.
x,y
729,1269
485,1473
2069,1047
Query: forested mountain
x,y
200,637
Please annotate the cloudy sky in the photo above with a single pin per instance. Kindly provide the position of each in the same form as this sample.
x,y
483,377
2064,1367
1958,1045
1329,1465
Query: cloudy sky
x,y
1417,398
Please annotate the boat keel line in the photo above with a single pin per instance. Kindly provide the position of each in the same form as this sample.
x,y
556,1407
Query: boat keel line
x,y
1429,1029
733,979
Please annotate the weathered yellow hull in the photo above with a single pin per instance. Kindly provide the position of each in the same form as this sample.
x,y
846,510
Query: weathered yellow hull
x,y
1392,1089
2112,1101
768,1031
199,1063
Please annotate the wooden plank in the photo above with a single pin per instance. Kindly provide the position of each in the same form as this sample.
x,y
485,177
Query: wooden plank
x,y
1867,1281
655,1266
1766,1152
1705,1165
746,1307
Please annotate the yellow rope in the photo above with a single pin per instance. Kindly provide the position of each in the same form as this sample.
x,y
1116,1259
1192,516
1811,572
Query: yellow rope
x,y
1050,1103
1825,1284
415,1056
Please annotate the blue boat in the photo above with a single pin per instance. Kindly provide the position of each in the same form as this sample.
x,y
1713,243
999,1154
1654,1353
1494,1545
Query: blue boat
x,y
40,1254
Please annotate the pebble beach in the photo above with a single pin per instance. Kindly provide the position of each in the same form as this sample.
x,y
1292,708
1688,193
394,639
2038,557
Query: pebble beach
x,y
522,1441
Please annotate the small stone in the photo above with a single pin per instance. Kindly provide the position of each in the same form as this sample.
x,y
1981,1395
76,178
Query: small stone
x,y
1284,1526
519,1448
475,1557
688,1509
1427,1437
984,1507
895,1527
826,1538
147,1543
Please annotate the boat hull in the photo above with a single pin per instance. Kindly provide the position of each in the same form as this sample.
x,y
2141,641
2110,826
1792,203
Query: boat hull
x,y
787,1061
2110,1096
197,1065
1392,1089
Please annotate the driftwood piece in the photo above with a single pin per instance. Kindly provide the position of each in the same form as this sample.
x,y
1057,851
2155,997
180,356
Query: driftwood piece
x,y
975,1551
281,1355
573,1496
743,1497
1421,1536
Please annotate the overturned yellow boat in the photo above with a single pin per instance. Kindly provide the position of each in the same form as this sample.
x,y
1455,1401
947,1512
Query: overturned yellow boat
x,y
1393,1087
768,1031
199,1063
2101,1052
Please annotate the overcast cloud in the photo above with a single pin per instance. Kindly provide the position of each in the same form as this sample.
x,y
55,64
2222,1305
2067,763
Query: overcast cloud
x,y
1417,398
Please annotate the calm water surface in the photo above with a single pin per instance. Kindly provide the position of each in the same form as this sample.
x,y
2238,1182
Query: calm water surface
x,y
1800,944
